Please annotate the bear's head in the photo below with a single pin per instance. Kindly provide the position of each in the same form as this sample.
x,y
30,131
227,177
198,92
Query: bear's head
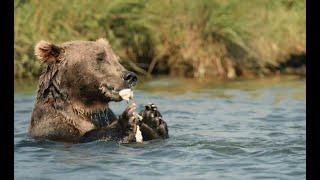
x,y
84,71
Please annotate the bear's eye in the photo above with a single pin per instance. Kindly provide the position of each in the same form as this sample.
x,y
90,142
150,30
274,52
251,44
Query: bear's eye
x,y
101,56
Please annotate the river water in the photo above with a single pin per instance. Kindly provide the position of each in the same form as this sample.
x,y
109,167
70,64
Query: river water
x,y
244,129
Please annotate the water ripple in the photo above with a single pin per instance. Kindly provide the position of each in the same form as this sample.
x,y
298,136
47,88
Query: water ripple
x,y
230,132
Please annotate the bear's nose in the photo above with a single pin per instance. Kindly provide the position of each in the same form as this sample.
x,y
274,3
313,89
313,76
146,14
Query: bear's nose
x,y
130,78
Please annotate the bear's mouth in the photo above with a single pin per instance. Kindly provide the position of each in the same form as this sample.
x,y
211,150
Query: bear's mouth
x,y
115,93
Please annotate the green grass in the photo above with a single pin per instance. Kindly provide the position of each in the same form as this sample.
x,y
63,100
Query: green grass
x,y
207,38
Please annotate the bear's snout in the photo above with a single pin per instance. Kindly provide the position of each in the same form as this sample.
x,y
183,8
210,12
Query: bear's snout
x,y
130,78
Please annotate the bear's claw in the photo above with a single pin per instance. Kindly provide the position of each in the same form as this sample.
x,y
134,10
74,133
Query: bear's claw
x,y
152,124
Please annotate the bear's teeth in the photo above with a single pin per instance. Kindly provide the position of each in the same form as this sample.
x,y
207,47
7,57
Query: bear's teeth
x,y
126,94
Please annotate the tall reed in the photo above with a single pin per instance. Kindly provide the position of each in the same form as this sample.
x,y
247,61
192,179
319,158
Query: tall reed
x,y
207,38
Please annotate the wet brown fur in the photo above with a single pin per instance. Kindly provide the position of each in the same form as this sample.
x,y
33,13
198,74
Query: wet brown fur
x,y
74,91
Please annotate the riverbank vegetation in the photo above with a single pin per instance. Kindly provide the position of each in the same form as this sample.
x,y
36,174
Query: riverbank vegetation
x,y
197,39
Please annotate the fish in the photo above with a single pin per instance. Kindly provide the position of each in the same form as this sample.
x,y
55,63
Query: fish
x,y
126,94
138,135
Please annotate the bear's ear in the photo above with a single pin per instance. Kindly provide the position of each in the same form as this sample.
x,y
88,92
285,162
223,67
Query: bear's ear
x,y
103,41
47,52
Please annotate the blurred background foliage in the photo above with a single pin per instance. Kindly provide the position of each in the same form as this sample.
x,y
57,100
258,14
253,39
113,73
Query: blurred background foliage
x,y
197,39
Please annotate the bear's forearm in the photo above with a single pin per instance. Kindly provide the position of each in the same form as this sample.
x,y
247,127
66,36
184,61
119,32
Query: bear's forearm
x,y
113,132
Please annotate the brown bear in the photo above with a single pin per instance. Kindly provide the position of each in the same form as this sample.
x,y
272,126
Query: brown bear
x,y
78,81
